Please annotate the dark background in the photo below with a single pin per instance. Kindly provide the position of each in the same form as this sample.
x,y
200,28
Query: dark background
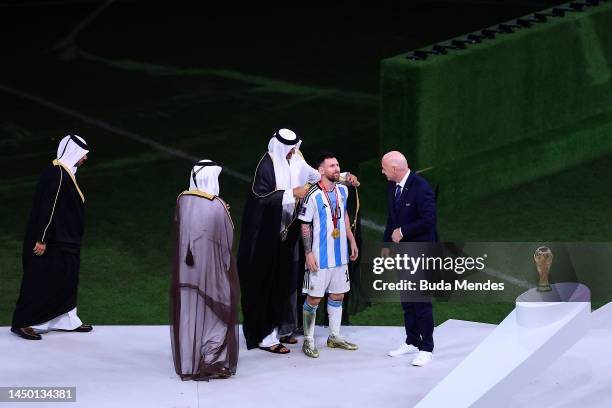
x,y
216,83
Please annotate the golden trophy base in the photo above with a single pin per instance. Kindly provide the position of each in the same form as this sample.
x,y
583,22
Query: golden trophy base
x,y
544,288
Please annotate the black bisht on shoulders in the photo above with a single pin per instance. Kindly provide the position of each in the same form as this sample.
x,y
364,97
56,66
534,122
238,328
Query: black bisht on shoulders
x,y
354,301
49,283
261,262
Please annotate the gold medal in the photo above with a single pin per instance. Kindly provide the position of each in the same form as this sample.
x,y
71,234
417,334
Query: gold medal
x,y
335,212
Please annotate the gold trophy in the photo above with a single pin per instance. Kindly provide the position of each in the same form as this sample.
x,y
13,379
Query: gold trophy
x,y
543,258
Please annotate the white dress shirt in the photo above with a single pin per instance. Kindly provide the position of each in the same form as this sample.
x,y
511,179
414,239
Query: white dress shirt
x,y
402,184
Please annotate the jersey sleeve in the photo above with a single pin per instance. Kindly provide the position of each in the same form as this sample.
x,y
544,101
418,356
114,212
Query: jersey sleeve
x,y
307,210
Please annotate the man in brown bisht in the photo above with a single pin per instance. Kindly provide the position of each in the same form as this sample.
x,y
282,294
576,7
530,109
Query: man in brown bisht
x,y
205,289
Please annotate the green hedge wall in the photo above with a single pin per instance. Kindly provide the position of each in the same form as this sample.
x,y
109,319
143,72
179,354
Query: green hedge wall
x,y
475,111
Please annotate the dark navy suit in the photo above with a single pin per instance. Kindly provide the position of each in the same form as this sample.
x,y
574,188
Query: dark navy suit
x,y
414,211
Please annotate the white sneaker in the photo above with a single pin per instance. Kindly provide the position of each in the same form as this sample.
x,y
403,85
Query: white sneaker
x,y
423,358
403,349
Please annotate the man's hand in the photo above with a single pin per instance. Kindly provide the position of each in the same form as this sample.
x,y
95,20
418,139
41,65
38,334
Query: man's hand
x,y
354,250
39,249
311,262
397,235
385,253
299,192
352,179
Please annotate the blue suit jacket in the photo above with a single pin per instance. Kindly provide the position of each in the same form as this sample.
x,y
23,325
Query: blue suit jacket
x,y
416,214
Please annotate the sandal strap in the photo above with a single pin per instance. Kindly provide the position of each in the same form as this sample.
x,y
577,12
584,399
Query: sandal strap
x,y
278,347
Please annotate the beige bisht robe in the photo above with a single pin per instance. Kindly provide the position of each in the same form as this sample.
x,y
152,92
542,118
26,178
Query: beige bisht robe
x,y
205,289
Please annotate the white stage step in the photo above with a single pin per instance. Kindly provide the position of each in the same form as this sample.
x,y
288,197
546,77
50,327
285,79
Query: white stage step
x,y
582,377
117,366
602,317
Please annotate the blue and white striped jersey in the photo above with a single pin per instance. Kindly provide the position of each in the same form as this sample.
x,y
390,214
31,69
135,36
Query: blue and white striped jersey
x,y
329,252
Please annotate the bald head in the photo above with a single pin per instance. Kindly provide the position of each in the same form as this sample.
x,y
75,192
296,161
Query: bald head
x,y
394,166
396,159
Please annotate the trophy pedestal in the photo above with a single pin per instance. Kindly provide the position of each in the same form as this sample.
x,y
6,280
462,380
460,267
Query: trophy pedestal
x,y
539,330
535,308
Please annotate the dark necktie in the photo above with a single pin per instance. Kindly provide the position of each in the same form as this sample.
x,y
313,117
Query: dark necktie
x,y
398,195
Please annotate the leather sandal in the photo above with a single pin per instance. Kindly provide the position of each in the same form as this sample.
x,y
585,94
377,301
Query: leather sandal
x,y
276,349
288,340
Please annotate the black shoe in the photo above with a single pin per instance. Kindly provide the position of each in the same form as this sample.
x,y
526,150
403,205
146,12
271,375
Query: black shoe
x,y
27,333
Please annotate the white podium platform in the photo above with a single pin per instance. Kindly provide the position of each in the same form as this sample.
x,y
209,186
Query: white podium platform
x,y
117,366
581,377
541,328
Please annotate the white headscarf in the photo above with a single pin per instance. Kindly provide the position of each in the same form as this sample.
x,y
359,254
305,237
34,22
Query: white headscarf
x,y
71,149
294,172
205,177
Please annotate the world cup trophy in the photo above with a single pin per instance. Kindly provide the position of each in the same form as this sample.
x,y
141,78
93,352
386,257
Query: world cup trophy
x,y
543,258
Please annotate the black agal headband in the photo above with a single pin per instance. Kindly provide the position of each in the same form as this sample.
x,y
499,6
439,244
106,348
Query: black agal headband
x,y
288,142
